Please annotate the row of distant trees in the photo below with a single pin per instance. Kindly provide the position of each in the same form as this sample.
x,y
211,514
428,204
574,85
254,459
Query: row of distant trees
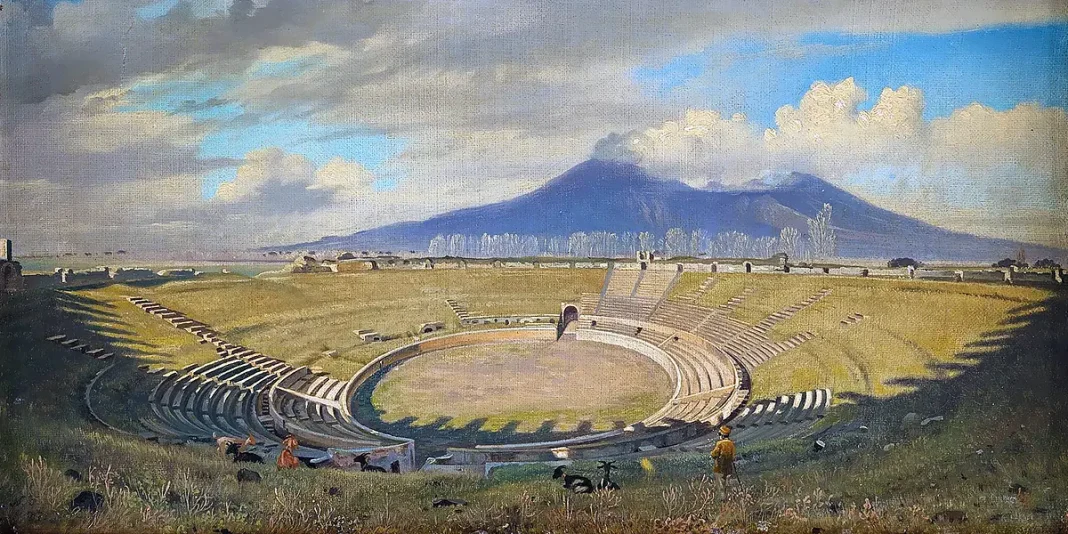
x,y
820,243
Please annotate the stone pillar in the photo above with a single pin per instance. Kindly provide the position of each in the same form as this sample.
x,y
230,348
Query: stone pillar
x,y
1008,276
958,276
1058,275
5,250
912,272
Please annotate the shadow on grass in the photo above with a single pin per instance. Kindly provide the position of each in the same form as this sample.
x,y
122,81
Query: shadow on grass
x,y
44,378
1004,395
434,437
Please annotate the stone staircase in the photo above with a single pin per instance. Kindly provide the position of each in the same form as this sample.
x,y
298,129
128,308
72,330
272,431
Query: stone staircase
x,y
77,345
770,321
696,294
852,319
459,309
735,301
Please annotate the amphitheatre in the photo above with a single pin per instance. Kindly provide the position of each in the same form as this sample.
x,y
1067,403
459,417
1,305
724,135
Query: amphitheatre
x,y
470,369
475,378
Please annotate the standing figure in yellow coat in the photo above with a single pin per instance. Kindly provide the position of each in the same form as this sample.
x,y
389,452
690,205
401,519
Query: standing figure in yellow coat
x,y
287,460
723,459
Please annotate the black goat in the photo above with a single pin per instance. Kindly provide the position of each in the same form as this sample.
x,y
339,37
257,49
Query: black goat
x,y
239,456
606,482
575,483
366,467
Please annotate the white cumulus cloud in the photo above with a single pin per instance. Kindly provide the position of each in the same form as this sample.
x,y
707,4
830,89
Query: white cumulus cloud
x,y
1003,172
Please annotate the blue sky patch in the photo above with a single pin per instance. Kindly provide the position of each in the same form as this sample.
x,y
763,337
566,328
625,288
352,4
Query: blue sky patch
x,y
998,66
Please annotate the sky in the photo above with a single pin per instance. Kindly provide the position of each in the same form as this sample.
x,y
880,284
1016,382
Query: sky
x,y
191,125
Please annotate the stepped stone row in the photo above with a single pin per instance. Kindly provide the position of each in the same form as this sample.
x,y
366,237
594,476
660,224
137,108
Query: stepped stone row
x,y
176,319
77,345
770,321
782,417
626,307
852,319
696,294
705,379
459,309
217,398
226,396
622,282
747,344
654,284
736,300
245,392
308,404
634,294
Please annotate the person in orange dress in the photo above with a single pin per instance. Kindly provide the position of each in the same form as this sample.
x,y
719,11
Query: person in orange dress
x,y
286,460
723,460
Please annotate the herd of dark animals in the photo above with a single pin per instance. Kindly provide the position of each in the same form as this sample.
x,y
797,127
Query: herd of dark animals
x,y
233,449
368,468
575,483
581,484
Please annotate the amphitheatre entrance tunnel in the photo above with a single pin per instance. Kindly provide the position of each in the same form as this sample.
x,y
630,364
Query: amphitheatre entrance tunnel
x,y
570,313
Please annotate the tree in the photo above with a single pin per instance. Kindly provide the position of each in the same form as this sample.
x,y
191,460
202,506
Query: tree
x,y
764,247
646,241
730,245
437,246
676,242
790,242
902,262
1046,263
698,241
821,234
1007,262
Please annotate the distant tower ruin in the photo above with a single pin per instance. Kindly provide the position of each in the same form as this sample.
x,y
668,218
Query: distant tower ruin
x,y
645,257
10,270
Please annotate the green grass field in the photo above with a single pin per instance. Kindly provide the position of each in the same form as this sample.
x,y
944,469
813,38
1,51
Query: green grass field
x,y
989,358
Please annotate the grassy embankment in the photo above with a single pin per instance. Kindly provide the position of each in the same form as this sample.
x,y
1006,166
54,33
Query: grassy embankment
x,y
297,318
999,394
909,327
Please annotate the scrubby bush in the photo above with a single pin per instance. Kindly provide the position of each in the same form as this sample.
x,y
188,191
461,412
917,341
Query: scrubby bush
x,y
902,262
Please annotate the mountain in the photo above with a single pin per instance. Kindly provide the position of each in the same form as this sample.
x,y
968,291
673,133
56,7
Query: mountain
x,y
600,195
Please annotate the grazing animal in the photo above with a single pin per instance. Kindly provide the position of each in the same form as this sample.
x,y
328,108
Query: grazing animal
x,y
366,467
87,501
248,475
575,483
224,442
394,467
240,456
606,482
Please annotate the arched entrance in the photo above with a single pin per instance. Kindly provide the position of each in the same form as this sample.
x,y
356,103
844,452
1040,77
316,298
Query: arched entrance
x,y
748,267
567,315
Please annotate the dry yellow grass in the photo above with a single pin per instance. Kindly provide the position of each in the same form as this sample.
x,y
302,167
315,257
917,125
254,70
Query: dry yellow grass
x,y
908,327
298,317
151,340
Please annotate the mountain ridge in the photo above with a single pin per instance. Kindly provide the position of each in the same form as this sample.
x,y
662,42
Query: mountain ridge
x,y
599,195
